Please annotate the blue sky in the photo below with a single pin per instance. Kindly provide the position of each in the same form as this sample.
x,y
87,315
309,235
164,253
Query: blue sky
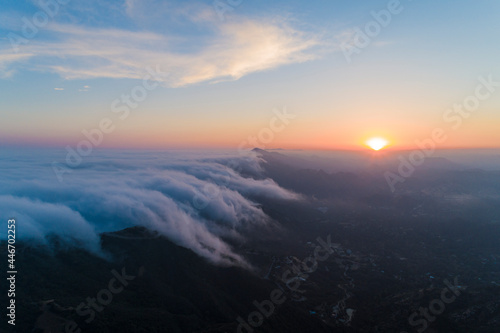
x,y
226,76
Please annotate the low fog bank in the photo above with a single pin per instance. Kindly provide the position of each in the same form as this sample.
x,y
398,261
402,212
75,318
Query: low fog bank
x,y
198,200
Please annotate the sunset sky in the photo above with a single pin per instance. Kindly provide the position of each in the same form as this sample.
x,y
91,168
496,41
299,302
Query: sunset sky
x,y
224,71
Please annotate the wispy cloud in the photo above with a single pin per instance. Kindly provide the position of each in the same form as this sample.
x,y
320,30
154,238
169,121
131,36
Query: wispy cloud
x,y
7,59
236,50
224,51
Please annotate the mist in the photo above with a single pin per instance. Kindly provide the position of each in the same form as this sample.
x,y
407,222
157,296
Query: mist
x,y
198,200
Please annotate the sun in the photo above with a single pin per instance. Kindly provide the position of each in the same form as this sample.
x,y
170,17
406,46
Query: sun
x,y
377,143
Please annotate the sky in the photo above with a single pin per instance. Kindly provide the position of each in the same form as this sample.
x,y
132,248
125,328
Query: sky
x,y
230,73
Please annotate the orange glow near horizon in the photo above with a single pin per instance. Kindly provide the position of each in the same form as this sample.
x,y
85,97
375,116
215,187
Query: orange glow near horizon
x,y
222,136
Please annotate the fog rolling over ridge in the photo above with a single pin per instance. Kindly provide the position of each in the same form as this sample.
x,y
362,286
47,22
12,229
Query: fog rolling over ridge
x,y
195,199
207,237
202,200
250,166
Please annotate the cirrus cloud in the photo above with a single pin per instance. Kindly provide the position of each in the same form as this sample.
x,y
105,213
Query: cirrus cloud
x,y
224,51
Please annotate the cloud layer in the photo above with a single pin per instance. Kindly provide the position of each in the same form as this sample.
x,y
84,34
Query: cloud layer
x,y
197,202
225,50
